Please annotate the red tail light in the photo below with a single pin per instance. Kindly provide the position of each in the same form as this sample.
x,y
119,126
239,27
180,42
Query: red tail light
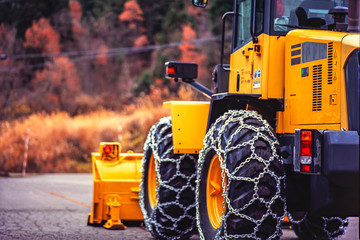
x,y
170,70
306,143
305,148
307,151
305,168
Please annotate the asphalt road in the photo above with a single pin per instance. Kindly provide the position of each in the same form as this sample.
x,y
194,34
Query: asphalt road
x,y
56,206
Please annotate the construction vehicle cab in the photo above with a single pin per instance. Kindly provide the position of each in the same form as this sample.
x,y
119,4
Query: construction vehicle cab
x,y
279,135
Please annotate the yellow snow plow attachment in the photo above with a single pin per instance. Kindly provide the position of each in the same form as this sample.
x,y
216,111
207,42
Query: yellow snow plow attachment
x,y
116,186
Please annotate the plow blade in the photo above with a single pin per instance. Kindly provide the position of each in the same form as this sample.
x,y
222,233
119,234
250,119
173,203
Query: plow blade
x,y
116,187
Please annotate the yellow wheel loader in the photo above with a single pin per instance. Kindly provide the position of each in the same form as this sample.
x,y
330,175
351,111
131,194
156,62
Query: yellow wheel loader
x,y
278,137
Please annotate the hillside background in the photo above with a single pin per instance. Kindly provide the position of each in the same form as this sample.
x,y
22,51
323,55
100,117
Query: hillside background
x,y
73,72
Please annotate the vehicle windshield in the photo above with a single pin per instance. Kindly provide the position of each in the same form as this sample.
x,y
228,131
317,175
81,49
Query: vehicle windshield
x,y
289,14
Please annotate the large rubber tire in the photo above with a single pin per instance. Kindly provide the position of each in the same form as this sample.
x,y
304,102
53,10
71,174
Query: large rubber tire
x,y
171,215
309,227
252,176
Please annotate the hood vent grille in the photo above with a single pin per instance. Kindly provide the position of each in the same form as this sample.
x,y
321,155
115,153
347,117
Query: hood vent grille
x,y
317,88
330,62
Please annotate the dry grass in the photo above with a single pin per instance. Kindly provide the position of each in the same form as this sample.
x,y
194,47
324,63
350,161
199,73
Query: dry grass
x,y
60,143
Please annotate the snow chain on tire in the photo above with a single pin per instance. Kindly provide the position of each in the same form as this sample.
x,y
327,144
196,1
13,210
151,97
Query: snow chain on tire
x,y
253,191
320,228
173,216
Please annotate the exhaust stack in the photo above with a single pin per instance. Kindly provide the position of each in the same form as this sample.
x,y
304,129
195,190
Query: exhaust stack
x,y
353,17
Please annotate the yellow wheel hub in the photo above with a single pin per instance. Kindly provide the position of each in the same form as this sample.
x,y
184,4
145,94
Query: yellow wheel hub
x,y
152,181
214,190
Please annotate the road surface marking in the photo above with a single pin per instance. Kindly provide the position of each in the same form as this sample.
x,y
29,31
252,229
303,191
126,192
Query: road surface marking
x,y
69,199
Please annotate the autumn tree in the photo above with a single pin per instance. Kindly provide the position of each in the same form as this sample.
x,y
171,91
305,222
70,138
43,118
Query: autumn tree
x,y
42,36
76,14
13,88
189,53
80,27
58,85
58,82
132,19
132,14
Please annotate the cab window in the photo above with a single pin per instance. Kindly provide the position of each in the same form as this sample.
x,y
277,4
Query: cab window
x,y
242,25
290,14
243,18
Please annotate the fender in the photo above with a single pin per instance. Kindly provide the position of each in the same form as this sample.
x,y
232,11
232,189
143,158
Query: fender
x,y
189,121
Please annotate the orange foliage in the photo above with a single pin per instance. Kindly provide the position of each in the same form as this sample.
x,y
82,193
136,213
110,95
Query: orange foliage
x,y
188,34
75,10
193,11
77,30
41,35
188,51
76,14
187,93
158,94
141,41
132,13
49,97
159,82
62,74
132,20
101,58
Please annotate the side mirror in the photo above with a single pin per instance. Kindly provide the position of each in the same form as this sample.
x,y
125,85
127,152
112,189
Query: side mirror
x,y
200,3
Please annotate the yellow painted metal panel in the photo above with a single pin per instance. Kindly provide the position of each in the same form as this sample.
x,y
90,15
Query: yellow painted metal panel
x,y
189,122
259,68
316,35
280,122
312,86
116,187
276,77
241,69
